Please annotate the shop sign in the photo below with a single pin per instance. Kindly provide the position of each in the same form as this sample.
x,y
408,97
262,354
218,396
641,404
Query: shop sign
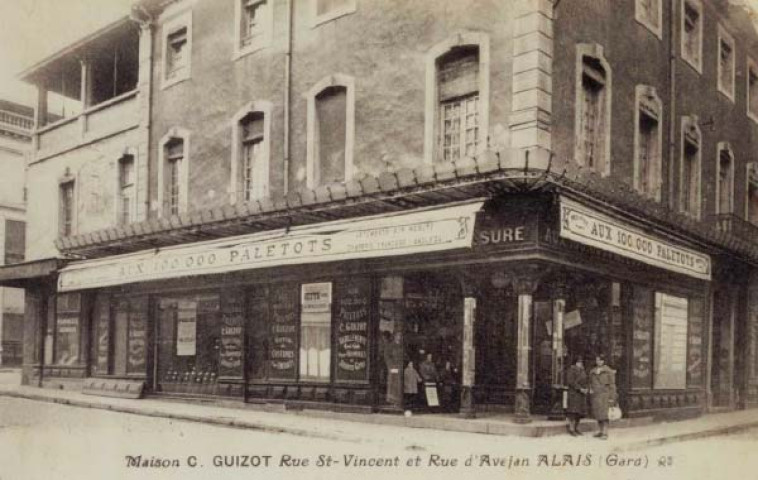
x,y
352,312
589,227
316,297
428,230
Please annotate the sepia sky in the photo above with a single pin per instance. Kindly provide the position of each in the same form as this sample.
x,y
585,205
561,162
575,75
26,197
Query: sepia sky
x,y
30,30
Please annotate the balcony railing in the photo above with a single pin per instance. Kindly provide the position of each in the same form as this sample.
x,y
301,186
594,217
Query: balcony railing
x,y
19,122
734,225
101,120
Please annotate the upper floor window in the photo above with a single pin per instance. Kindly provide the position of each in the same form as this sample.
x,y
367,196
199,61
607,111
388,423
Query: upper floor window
x,y
66,207
649,13
751,207
177,49
250,156
726,64
326,10
457,98
458,90
173,172
689,175
174,159
593,113
331,124
126,189
752,89
692,33
254,23
15,241
725,183
647,168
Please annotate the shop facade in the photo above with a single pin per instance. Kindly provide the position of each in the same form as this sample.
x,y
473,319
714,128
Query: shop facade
x,y
499,295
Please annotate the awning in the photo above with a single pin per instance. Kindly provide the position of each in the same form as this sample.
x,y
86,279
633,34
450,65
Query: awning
x,y
417,231
21,275
591,227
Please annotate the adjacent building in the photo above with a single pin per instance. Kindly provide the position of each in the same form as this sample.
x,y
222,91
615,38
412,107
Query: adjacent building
x,y
16,122
291,201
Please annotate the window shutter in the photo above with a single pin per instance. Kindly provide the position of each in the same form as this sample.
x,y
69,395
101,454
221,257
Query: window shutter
x,y
458,73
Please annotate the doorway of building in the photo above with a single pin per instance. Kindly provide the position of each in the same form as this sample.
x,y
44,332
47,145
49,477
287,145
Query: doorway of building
x,y
421,321
722,341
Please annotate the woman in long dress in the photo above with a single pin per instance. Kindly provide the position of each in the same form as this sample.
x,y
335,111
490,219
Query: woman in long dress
x,y
576,396
602,393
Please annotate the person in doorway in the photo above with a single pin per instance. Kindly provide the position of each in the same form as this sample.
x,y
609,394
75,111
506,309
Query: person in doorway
x,y
602,393
576,396
428,370
411,379
450,387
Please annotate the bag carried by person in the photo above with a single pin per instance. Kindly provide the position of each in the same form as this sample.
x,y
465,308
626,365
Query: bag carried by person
x,y
614,413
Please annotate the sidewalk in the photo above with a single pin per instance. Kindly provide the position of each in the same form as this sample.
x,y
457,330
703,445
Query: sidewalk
x,y
637,434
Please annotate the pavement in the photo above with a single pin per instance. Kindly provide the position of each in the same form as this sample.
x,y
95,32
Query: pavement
x,y
626,435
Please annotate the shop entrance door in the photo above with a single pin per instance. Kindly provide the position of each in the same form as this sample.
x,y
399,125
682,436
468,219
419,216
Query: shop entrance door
x,y
433,328
722,351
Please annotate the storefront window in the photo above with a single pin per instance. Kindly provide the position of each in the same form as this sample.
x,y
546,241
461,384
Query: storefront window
x,y
283,344
352,330
257,333
670,341
67,329
315,332
189,342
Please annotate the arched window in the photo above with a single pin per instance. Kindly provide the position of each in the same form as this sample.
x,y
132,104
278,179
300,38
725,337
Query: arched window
x,y
331,131
173,178
725,179
250,152
689,170
126,203
457,98
593,109
648,142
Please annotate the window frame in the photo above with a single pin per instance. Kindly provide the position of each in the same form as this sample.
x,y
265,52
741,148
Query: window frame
x,y
724,147
696,63
645,21
65,183
659,300
316,19
593,51
647,97
170,27
725,37
235,193
752,68
432,110
173,134
120,188
313,179
690,127
261,40
751,181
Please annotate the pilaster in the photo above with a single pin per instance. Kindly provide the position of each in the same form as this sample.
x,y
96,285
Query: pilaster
x,y
531,103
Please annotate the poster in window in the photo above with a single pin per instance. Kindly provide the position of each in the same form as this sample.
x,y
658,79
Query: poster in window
x,y
186,328
67,340
137,336
670,341
695,344
283,345
232,335
352,314
257,333
103,337
642,335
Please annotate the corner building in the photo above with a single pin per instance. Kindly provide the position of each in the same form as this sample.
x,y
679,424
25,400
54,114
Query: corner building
x,y
288,201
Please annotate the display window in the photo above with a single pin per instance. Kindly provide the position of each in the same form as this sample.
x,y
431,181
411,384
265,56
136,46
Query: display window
x,y
67,329
189,342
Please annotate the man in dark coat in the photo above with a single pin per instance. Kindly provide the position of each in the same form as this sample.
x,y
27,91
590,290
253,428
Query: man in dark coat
x,y
576,395
602,393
